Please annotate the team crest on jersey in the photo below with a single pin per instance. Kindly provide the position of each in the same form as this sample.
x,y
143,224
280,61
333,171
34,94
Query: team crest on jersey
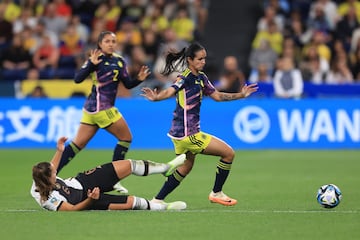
x,y
120,64
54,200
179,82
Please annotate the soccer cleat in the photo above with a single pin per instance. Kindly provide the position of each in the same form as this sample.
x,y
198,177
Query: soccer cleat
x,y
120,188
157,205
221,198
173,164
177,205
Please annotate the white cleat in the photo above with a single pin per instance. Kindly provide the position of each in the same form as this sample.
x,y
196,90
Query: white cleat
x,y
177,205
120,188
175,163
156,204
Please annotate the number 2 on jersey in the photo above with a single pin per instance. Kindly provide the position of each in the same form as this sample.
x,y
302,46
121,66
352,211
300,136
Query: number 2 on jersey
x,y
116,74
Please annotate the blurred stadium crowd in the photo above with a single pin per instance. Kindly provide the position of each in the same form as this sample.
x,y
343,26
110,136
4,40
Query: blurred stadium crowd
x,y
306,41
42,39
296,41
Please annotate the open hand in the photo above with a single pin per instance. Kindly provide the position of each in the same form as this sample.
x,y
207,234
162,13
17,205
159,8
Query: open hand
x,y
60,146
247,90
143,73
149,93
94,56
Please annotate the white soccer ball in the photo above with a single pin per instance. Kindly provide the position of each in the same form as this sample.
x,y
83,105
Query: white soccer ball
x,y
329,196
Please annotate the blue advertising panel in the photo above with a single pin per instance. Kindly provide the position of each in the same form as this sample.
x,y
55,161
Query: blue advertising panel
x,y
286,124
244,124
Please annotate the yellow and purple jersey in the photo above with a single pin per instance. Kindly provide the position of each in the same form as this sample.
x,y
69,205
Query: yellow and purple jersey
x,y
106,77
190,90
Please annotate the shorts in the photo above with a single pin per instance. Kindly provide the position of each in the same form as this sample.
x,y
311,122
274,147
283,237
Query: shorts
x,y
195,143
104,177
103,118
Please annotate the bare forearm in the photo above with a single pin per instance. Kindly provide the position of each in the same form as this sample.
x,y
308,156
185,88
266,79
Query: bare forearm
x,y
77,207
164,94
83,205
246,91
56,158
222,96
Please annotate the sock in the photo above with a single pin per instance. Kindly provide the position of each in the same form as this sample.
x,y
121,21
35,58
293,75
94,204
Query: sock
x,y
145,167
171,183
120,150
140,204
69,153
222,172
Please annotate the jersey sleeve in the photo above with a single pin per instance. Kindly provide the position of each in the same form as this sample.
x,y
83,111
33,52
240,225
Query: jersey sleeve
x,y
179,83
54,201
84,71
125,77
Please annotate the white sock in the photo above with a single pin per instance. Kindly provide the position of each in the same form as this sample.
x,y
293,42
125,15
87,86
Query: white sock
x,y
141,204
145,167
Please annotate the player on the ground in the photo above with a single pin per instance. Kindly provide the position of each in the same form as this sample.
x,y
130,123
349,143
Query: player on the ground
x,y
88,189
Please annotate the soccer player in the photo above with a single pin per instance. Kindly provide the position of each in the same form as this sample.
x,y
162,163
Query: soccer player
x,y
190,87
106,69
87,191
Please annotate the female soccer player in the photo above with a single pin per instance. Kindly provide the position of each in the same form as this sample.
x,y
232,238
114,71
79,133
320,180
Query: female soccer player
x,y
185,133
106,69
87,190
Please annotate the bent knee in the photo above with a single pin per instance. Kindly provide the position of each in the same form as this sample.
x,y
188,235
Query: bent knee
x,y
229,156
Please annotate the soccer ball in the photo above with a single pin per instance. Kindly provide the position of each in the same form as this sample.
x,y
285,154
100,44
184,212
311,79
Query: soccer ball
x,y
329,196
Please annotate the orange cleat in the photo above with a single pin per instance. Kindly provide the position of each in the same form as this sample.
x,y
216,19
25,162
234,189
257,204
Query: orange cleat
x,y
222,199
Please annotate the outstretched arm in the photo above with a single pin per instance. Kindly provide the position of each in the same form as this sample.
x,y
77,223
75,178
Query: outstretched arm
x,y
141,76
92,195
59,150
246,91
153,95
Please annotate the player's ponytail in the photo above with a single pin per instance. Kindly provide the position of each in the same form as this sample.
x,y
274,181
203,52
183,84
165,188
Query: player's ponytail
x,y
177,61
174,62
41,174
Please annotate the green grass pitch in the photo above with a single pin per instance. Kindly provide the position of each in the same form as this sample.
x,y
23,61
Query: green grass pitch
x,y
275,191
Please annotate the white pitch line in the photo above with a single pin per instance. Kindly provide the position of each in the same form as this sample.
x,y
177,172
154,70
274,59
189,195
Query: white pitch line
x,y
19,210
229,211
277,211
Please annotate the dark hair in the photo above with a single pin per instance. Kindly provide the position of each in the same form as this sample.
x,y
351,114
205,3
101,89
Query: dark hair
x,y
101,37
176,61
41,174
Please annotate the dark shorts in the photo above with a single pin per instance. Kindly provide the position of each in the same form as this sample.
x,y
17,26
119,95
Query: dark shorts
x,y
104,177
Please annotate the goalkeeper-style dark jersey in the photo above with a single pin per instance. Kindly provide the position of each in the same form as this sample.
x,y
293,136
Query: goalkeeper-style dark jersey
x,y
189,93
106,77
